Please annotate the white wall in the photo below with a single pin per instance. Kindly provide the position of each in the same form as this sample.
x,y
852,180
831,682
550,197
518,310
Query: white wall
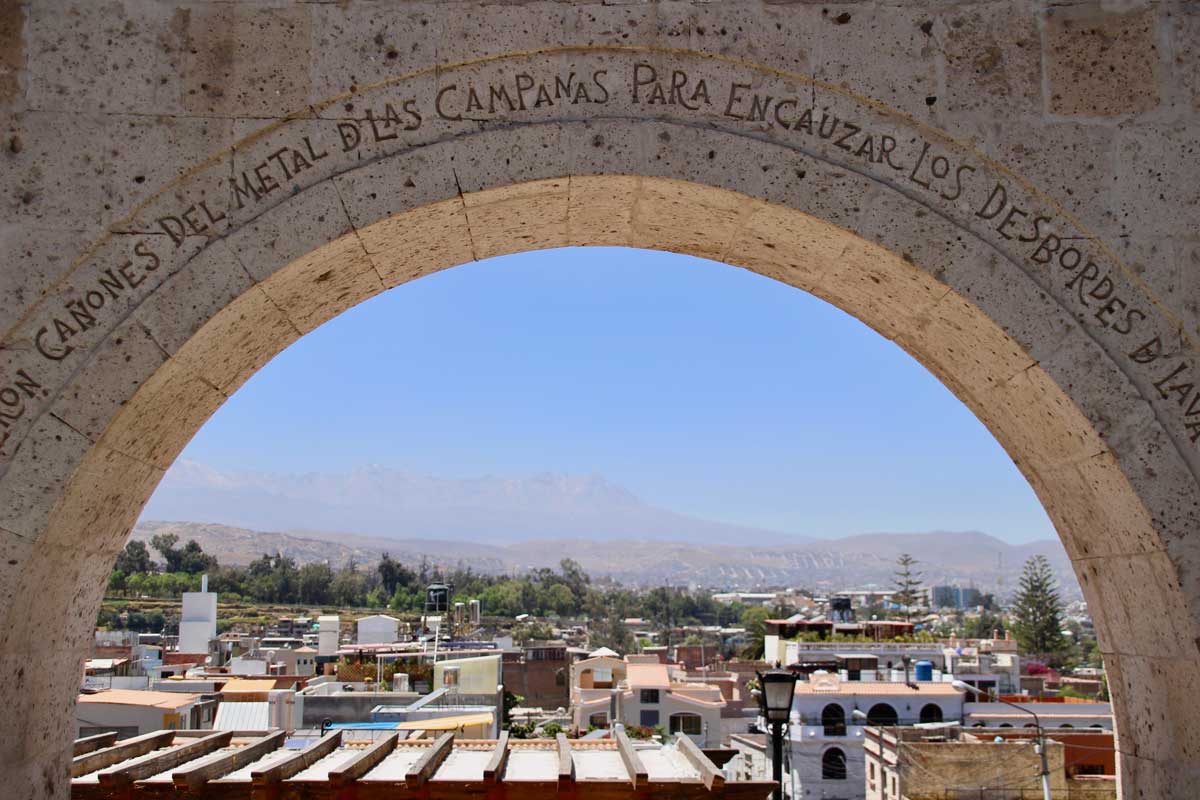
x,y
377,629
198,622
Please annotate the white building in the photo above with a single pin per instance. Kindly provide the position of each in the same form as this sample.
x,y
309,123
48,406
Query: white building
x,y
329,628
644,694
825,736
1051,715
132,713
378,629
198,622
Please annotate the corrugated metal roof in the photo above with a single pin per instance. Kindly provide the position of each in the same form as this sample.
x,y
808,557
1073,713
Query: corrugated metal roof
x,y
243,717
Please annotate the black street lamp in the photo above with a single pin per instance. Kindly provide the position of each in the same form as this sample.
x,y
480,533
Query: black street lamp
x,y
776,689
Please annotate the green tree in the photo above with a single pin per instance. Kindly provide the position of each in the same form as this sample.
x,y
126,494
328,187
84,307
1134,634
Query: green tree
x,y
314,583
1037,613
134,558
908,584
611,632
165,543
530,631
193,560
754,620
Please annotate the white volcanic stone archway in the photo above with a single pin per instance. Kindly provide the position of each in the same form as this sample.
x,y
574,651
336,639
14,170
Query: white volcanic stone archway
x,y
1007,191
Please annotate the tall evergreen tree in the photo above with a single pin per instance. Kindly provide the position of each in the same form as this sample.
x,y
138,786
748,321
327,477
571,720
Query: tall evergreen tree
x,y
1037,613
908,584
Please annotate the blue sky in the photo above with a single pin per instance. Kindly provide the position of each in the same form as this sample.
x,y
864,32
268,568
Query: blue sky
x,y
700,387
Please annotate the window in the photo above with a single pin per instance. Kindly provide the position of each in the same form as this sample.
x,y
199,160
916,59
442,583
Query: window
x,y
691,724
649,695
649,718
598,720
931,712
560,678
833,765
833,718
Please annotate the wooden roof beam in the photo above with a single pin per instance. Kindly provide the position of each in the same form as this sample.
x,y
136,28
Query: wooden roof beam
x,y
712,777
90,744
363,763
493,773
192,779
427,765
294,764
633,764
130,748
119,780
566,764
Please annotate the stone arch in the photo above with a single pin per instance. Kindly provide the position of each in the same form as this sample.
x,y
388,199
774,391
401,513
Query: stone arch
x,y
276,218
883,714
833,720
833,764
931,712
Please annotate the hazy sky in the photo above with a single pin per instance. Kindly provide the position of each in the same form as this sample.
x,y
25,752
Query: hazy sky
x,y
702,388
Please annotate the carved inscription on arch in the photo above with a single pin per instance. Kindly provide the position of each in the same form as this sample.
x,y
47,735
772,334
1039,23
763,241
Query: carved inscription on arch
x,y
819,122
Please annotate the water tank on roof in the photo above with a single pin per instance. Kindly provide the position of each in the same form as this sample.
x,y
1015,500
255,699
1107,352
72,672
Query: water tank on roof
x,y
924,670
437,599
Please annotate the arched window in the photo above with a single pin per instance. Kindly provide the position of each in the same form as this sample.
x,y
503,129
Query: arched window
x,y
599,720
1096,725
691,724
1005,725
979,725
1066,725
833,718
833,765
1029,725
882,714
931,712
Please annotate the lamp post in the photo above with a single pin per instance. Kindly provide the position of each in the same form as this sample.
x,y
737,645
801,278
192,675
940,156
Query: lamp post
x,y
1041,734
776,689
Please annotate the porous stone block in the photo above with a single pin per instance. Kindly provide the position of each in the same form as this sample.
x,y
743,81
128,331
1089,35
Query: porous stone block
x,y
31,259
161,417
683,218
1156,187
353,51
1100,63
37,474
248,59
993,60
82,171
96,393
80,70
186,301
238,340
525,216
600,210
419,242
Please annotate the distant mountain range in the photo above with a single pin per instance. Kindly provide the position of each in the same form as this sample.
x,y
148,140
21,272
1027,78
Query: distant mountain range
x,y
966,558
377,501
504,525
